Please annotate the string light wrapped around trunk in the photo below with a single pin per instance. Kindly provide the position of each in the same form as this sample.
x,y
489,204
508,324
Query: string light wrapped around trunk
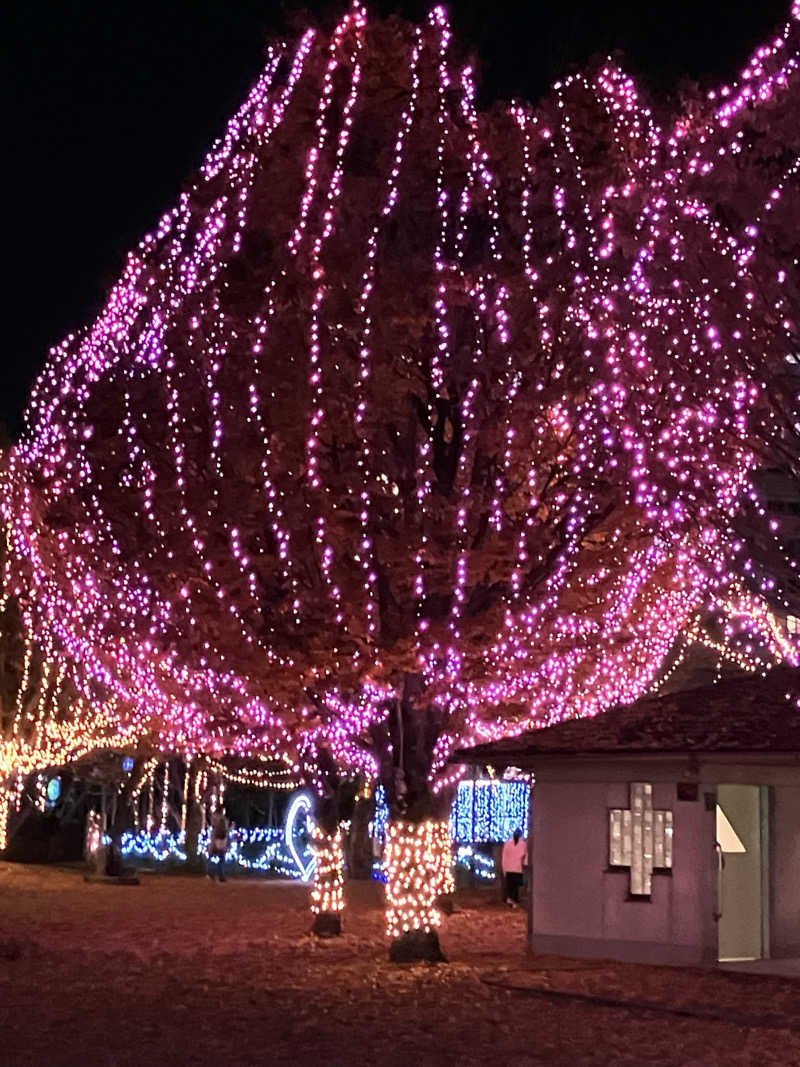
x,y
417,867
444,849
4,807
327,893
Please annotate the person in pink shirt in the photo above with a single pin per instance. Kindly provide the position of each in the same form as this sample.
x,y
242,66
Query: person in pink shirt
x,y
514,858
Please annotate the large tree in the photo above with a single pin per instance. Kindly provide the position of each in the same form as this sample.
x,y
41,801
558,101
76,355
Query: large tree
x,y
411,423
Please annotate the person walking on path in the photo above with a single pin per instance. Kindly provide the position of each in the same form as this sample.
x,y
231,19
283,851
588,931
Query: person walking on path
x,y
218,845
514,858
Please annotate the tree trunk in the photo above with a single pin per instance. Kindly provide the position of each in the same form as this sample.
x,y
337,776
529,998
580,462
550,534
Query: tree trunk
x,y
194,824
327,896
5,805
358,846
416,862
334,805
419,858
121,807
445,898
93,852
194,828
118,816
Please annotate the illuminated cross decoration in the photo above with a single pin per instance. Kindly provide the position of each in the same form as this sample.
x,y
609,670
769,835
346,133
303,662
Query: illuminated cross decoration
x,y
640,838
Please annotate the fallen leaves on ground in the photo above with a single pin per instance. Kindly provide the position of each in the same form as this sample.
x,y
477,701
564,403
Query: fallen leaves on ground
x,y
183,971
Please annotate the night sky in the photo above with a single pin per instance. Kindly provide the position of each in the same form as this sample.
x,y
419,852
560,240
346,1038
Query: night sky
x,y
112,105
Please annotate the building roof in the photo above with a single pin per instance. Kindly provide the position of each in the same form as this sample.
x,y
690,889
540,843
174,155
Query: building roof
x,y
737,715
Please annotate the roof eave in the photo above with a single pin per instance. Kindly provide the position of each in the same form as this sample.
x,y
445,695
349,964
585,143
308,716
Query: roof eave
x,y
523,759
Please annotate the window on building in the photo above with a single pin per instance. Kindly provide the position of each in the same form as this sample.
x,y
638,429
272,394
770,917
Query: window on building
x,y
640,838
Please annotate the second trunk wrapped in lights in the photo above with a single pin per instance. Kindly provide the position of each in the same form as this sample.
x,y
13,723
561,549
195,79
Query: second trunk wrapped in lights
x,y
327,895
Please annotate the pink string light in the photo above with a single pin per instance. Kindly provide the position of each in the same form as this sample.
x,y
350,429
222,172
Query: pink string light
x,y
596,394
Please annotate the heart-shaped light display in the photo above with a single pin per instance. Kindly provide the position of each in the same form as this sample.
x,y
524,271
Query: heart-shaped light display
x,y
300,808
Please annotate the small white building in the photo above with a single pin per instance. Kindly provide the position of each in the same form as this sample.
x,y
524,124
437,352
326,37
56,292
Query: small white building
x,y
667,831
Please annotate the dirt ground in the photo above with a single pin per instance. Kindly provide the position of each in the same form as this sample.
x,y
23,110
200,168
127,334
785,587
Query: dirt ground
x,y
182,971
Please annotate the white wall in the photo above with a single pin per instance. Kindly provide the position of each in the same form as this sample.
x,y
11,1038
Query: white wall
x,y
580,907
785,861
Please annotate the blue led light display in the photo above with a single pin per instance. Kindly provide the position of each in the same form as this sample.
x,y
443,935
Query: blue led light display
x,y
483,812
489,809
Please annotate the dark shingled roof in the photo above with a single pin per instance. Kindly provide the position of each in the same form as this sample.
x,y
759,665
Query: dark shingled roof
x,y
741,714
